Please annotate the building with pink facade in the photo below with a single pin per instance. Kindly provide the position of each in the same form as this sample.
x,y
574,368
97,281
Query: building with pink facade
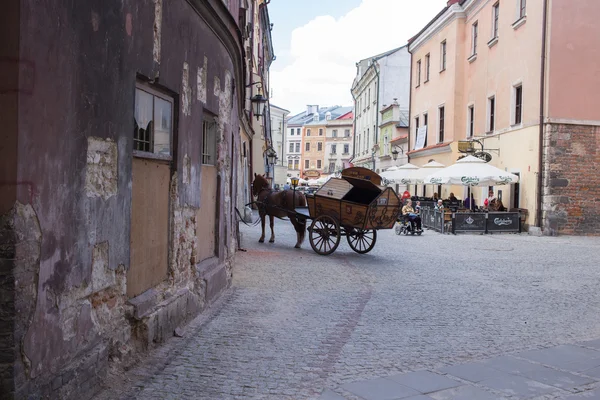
x,y
522,78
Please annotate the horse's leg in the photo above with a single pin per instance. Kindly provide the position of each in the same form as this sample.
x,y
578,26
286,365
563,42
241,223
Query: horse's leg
x,y
262,224
271,223
299,226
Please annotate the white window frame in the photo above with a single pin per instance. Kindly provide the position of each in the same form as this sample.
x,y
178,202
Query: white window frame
x,y
427,67
306,164
319,164
418,73
443,55
439,130
474,37
156,94
470,124
495,20
491,110
513,104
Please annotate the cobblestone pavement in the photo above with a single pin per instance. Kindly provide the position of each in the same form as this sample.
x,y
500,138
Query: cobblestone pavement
x,y
295,323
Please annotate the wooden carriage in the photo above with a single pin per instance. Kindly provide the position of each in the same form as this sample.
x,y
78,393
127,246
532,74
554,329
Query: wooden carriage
x,y
355,206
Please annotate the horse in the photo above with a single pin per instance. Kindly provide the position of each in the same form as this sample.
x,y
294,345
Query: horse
x,y
278,204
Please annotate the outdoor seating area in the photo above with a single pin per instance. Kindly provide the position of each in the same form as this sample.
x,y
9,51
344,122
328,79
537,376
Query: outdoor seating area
x,y
458,216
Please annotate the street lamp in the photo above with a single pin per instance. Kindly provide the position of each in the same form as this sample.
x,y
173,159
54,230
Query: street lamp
x,y
271,155
295,182
395,151
258,104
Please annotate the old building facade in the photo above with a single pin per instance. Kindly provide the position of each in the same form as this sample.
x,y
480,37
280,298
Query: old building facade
x,y
392,147
494,72
338,143
119,177
278,137
379,80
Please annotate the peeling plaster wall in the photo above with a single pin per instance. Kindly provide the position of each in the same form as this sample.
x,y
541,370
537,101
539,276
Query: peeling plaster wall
x,y
71,220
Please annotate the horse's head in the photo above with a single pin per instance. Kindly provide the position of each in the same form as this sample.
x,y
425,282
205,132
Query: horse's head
x,y
260,183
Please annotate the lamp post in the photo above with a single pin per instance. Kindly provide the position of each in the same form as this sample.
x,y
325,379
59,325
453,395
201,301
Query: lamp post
x,y
271,159
294,181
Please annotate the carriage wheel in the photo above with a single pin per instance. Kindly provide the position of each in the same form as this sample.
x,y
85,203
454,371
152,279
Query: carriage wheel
x,y
362,241
324,235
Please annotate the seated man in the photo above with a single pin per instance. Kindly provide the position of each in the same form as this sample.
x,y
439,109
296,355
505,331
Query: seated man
x,y
407,210
439,205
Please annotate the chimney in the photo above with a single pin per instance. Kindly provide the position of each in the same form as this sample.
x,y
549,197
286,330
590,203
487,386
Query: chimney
x,y
450,2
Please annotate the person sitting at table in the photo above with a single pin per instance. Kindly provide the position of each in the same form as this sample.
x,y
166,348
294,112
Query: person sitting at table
x,y
469,201
452,197
439,205
435,196
414,218
496,205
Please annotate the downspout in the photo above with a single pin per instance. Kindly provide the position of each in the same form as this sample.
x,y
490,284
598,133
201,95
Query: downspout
x,y
376,141
354,135
409,107
542,101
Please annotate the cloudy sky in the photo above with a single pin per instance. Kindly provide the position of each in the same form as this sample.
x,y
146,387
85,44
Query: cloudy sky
x,y
318,42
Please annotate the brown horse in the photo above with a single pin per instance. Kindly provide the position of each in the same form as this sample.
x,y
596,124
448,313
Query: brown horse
x,y
280,205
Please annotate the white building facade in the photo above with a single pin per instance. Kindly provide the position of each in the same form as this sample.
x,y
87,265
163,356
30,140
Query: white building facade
x,y
278,136
380,80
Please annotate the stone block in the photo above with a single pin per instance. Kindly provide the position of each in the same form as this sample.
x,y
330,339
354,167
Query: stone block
x,y
144,303
473,372
216,282
424,381
380,389
517,386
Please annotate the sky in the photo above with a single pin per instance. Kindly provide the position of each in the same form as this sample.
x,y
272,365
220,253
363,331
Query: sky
x,y
318,43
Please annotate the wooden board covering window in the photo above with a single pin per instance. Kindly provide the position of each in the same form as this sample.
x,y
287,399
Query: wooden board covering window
x,y
149,225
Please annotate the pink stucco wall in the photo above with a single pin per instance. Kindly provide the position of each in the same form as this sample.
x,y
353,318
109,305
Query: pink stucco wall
x,y
574,60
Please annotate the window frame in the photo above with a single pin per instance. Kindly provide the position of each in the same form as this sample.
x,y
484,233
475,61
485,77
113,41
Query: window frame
x,y
306,164
334,148
205,123
427,66
441,123
319,146
297,148
319,164
418,73
522,9
291,148
443,55
471,121
474,37
163,95
495,20
307,146
320,131
307,131
491,118
518,104
346,149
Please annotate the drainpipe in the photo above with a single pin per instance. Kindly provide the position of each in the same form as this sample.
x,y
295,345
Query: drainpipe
x,y
354,138
540,182
376,67
409,107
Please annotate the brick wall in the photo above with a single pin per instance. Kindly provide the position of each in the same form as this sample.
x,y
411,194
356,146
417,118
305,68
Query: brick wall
x,y
571,191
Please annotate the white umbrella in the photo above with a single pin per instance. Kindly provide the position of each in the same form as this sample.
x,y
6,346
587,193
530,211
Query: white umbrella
x,y
323,180
471,171
404,174
313,182
428,169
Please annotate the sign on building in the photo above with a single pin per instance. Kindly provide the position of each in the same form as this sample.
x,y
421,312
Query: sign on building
x,y
421,136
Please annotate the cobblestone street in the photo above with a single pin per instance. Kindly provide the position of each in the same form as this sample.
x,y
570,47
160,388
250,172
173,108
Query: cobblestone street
x,y
295,324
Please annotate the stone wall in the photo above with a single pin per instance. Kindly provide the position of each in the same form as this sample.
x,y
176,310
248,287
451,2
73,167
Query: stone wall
x,y
571,186
65,316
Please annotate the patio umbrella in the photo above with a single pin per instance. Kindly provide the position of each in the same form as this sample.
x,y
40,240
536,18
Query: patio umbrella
x,y
405,174
428,169
471,171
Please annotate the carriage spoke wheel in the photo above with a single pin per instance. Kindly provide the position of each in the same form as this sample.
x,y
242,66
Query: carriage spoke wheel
x,y
324,235
362,241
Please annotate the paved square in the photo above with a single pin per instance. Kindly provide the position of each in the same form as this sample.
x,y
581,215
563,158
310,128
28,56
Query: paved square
x,y
424,381
295,324
518,386
380,389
